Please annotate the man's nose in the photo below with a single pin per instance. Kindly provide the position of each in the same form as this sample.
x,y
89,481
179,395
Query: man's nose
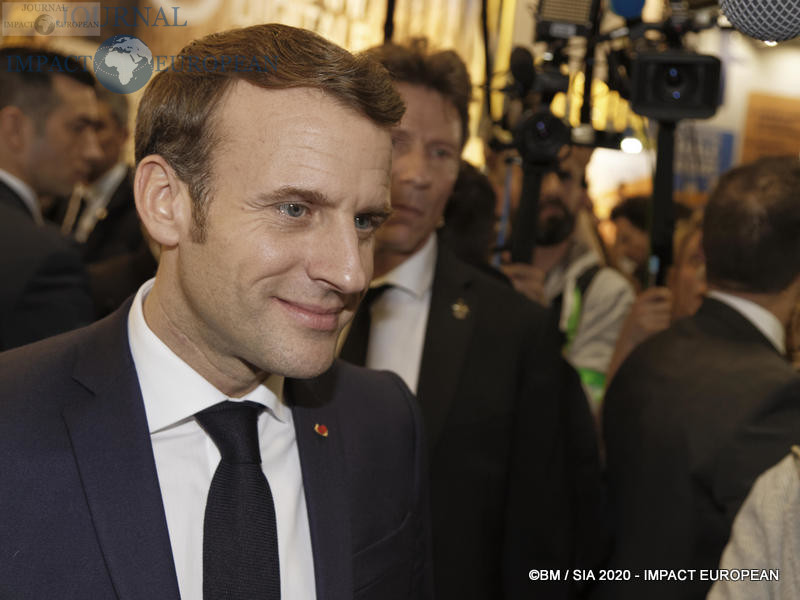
x,y
551,184
414,167
342,259
91,151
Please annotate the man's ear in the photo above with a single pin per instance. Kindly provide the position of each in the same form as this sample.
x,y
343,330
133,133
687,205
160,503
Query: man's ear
x,y
14,128
162,201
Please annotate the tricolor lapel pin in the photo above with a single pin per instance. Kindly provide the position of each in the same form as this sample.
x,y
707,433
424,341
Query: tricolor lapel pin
x,y
321,430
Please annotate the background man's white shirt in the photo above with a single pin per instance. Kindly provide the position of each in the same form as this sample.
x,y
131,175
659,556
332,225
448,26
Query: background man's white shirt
x,y
399,317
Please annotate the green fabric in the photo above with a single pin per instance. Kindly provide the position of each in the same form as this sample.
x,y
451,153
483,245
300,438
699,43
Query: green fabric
x,y
574,319
593,381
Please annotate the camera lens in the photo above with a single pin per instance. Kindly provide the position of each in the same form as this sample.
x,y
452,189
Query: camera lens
x,y
541,130
539,136
674,83
674,77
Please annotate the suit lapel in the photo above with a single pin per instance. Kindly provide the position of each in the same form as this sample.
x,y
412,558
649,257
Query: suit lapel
x,y
447,338
324,481
111,442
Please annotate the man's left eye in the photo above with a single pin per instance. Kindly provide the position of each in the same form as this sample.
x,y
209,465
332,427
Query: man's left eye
x,y
292,209
367,222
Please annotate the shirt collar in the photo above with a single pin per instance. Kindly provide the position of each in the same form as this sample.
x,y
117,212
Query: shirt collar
x,y
26,194
415,274
172,390
760,317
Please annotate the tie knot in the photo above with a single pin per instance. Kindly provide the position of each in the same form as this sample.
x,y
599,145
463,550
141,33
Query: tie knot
x,y
233,428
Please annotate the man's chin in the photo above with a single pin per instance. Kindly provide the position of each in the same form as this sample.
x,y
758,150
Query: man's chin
x,y
315,360
309,371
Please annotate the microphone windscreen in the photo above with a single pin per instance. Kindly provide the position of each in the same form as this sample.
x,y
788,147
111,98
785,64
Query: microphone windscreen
x,y
767,20
630,9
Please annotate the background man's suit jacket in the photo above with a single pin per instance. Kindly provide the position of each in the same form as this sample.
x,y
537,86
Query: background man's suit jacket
x,y
44,289
81,514
118,232
116,253
692,417
514,469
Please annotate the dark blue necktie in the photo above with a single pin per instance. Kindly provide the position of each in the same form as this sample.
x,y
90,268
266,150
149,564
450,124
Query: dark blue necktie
x,y
240,536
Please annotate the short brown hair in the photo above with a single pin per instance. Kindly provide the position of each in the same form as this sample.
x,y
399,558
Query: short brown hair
x,y
751,227
26,79
442,71
176,117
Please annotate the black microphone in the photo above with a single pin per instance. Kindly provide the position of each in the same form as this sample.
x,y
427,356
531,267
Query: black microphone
x,y
521,67
767,20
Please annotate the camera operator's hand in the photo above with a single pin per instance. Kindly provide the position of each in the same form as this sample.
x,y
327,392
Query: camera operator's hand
x,y
650,313
527,280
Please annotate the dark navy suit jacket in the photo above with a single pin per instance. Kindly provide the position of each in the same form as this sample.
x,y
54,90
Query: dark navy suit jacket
x,y
515,475
692,417
44,289
81,514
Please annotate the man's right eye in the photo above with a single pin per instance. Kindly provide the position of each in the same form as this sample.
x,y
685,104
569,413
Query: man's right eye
x,y
293,209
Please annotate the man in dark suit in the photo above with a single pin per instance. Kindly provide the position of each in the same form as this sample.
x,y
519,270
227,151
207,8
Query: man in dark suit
x,y
697,412
512,454
47,142
101,215
199,442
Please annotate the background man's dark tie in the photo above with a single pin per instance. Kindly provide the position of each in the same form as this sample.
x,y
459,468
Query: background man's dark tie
x,y
354,349
240,536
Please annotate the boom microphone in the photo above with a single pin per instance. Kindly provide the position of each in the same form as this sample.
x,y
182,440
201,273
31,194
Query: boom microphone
x,y
767,20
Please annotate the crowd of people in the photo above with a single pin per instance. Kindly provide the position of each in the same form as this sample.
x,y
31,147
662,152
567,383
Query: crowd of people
x,y
273,358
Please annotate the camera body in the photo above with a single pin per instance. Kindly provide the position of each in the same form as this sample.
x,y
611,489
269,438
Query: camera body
x,y
675,85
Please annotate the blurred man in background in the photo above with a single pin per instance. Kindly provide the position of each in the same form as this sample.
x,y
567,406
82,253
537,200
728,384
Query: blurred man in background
x,y
587,300
47,145
514,470
101,214
697,412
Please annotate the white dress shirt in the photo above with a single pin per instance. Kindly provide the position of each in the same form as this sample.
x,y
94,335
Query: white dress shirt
x,y
25,192
760,317
399,317
186,459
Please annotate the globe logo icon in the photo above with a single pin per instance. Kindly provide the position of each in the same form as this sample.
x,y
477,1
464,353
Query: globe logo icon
x,y
123,64
44,24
